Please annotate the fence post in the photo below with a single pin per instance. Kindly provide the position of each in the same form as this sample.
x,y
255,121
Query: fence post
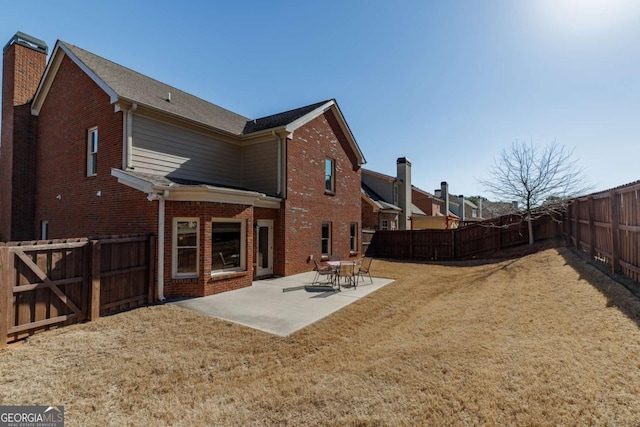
x,y
577,223
5,286
592,228
410,244
94,306
453,245
152,269
499,233
615,244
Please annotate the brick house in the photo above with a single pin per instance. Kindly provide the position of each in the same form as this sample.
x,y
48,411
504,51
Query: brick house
x,y
387,201
95,148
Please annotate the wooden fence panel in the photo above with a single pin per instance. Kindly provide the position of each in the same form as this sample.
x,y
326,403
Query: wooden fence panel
x,y
51,283
629,229
45,284
612,232
461,243
432,245
125,273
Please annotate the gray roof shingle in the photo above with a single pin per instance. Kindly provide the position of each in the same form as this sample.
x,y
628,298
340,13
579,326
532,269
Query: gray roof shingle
x,y
280,119
136,87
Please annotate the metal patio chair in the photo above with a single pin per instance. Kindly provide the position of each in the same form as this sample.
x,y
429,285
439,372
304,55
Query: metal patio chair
x,y
364,269
346,272
323,271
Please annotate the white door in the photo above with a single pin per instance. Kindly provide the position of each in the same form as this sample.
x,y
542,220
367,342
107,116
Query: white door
x,y
264,245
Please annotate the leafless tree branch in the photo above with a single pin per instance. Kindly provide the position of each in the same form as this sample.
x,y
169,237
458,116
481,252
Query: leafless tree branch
x,y
540,179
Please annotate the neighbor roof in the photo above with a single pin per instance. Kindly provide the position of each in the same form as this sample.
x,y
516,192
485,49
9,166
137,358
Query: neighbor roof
x,y
377,199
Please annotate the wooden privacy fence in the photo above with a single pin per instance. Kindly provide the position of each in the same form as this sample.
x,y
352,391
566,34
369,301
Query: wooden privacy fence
x,y
447,245
45,284
606,227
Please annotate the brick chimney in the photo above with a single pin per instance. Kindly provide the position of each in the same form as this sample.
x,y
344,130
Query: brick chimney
x,y
404,192
24,59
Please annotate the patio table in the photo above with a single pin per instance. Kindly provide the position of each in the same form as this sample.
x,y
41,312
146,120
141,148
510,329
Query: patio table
x,y
338,264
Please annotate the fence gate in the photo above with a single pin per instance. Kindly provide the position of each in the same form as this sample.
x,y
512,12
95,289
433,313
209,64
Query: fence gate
x,y
42,286
53,283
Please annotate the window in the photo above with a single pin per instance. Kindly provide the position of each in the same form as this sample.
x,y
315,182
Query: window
x,y
384,224
185,247
44,230
326,238
228,243
329,178
474,213
92,152
353,237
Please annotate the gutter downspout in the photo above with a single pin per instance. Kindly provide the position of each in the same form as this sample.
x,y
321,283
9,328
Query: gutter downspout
x,y
279,176
129,147
161,249
161,219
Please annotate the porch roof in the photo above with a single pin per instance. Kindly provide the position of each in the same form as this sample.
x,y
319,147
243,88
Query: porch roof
x,y
176,189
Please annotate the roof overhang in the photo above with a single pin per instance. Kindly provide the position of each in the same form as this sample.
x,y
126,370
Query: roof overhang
x,y
379,175
59,52
333,106
195,193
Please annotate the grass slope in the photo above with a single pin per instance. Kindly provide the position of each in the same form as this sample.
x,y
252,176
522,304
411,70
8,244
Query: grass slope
x,y
544,339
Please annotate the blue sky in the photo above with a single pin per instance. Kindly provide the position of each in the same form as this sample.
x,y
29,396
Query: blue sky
x,y
447,84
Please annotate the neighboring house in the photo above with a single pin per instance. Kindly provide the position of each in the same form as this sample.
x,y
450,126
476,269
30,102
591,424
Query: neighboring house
x,y
468,211
387,200
90,147
464,209
498,209
434,205
426,201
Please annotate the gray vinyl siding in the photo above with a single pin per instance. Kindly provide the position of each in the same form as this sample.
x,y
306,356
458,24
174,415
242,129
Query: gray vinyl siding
x,y
381,186
260,167
162,149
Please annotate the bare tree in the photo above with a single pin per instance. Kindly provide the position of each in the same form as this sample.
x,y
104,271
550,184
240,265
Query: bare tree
x,y
533,176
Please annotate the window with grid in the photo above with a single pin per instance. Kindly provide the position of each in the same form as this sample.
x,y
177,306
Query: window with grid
x,y
353,237
329,176
92,152
185,247
326,238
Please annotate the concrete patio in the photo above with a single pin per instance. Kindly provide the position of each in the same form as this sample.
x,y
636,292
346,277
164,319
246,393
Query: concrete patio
x,y
280,306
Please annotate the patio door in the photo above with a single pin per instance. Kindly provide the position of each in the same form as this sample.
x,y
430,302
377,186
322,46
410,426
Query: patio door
x,y
264,245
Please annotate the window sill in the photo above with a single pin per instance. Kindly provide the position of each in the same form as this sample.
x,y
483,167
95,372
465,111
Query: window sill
x,y
223,275
329,193
185,279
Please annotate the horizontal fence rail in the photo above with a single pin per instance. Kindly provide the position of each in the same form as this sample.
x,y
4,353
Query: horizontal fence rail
x,y
605,226
44,284
462,243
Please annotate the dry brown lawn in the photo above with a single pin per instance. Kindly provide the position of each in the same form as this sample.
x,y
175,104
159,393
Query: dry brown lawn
x,y
540,340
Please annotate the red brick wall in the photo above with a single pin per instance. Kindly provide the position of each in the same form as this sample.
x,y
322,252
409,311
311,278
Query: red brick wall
x,y
369,216
22,69
306,205
424,202
205,284
73,105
